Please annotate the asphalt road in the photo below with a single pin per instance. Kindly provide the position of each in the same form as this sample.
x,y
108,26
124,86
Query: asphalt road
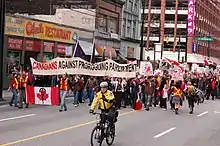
x,y
45,126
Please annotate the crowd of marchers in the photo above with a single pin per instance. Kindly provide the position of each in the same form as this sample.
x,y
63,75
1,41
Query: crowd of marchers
x,y
152,90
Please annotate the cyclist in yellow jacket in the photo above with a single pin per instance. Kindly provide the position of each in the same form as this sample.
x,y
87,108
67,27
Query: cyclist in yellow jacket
x,y
105,99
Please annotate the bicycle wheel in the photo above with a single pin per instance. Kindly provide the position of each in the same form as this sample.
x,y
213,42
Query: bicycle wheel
x,y
110,135
96,136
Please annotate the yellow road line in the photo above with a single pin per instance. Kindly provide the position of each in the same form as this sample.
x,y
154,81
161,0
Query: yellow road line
x,y
57,131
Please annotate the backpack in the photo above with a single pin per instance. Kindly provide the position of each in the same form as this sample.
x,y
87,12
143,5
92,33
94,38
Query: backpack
x,y
192,92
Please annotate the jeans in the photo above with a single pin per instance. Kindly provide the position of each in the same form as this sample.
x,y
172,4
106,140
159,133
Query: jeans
x,y
76,96
83,95
147,100
63,96
22,97
91,95
14,98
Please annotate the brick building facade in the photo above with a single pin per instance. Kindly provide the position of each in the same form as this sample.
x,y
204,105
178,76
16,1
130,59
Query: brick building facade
x,y
207,24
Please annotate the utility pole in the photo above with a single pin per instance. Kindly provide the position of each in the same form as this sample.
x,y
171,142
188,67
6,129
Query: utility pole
x,y
162,22
142,31
148,23
2,29
208,51
186,53
175,27
179,47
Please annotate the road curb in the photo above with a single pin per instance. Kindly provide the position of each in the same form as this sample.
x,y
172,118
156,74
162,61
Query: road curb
x,y
3,103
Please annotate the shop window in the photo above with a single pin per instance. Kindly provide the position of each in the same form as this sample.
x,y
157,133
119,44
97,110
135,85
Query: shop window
x,y
13,61
102,23
48,56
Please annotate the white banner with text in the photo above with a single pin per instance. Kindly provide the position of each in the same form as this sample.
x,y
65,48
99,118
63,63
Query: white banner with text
x,y
78,66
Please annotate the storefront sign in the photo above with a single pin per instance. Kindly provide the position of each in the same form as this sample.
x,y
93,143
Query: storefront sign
x,y
61,48
14,26
79,66
52,32
191,17
48,47
32,45
15,43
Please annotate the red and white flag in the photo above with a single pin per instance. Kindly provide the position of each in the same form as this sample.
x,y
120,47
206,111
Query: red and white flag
x,y
42,95
208,62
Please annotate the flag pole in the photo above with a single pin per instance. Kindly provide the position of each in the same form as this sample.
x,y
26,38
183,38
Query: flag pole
x,y
93,50
74,52
103,55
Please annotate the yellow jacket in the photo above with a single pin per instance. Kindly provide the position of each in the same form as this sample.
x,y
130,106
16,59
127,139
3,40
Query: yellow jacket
x,y
99,100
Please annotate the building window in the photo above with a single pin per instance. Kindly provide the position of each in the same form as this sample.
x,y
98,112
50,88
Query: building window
x,y
134,30
113,25
102,23
124,28
130,5
129,29
130,52
135,7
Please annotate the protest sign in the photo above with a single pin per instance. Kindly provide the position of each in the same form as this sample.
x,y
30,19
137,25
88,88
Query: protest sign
x,y
146,68
58,66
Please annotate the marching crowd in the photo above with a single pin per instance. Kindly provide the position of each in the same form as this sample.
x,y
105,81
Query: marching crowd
x,y
150,90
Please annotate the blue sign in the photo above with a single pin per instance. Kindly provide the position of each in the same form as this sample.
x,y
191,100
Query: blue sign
x,y
194,47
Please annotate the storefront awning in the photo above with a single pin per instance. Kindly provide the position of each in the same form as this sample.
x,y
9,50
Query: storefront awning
x,y
109,51
87,47
215,60
195,58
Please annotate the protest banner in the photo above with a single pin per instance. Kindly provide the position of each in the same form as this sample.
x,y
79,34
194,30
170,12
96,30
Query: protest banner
x,y
58,66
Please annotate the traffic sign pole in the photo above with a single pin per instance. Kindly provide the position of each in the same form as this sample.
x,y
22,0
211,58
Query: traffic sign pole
x,y
2,22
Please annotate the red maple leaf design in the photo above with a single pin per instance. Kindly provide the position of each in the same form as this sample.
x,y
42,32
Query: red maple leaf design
x,y
42,95
147,68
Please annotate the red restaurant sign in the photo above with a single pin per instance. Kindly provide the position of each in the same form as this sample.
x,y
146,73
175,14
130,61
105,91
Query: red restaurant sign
x,y
15,43
32,45
48,47
61,48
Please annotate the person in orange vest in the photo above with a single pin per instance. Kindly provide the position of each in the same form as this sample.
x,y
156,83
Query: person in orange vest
x,y
177,96
14,88
64,86
22,83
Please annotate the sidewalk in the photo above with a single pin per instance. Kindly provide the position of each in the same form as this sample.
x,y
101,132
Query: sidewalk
x,y
6,96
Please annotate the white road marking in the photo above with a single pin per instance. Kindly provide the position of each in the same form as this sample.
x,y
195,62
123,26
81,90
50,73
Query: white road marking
x,y
202,114
165,132
216,112
19,117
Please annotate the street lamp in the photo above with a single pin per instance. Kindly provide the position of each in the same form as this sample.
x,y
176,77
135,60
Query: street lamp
x,y
2,27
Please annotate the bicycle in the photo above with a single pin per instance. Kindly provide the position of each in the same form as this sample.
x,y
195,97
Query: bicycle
x,y
103,130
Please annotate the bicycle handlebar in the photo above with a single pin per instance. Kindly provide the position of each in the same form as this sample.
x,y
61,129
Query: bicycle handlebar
x,y
95,113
